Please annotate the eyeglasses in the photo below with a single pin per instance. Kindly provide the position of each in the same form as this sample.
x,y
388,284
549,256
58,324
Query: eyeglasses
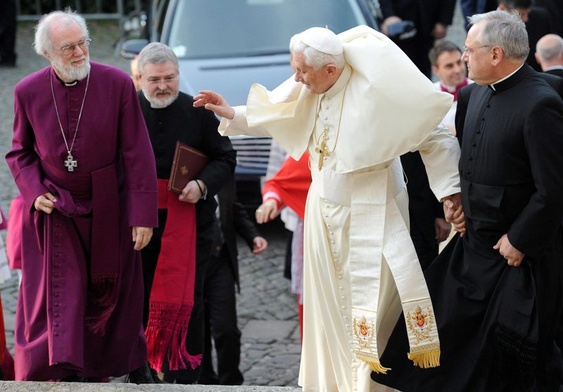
x,y
166,80
470,51
67,50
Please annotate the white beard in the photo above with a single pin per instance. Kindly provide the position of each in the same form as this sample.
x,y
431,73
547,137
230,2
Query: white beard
x,y
160,103
70,73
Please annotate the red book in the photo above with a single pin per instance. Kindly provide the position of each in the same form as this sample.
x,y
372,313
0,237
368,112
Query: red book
x,y
187,164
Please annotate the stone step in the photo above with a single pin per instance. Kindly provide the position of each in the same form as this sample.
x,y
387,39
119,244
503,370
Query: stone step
x,y
32,386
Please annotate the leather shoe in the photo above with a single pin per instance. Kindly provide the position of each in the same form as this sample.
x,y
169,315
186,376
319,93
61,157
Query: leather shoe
x,y
155,377
74,378
141,375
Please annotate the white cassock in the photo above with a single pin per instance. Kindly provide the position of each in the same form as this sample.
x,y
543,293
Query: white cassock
x,y
360,267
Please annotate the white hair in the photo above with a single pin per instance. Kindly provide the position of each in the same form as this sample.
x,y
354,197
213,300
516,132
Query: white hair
x,y
43,43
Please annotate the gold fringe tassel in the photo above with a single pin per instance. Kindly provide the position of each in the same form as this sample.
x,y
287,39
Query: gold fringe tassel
x,y
426,359
373,363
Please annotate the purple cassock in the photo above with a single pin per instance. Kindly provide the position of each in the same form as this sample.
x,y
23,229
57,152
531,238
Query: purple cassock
x,y
80,304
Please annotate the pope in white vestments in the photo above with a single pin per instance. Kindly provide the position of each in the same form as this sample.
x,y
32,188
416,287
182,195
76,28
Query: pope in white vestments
x,y
356,115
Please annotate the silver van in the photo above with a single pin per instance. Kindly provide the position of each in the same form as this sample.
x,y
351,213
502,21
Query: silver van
x,y
226,45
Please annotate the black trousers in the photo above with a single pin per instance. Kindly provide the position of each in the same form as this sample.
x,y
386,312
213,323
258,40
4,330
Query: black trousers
x,y
221,323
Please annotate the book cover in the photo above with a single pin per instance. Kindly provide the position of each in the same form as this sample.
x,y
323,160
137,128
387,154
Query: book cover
x,y
187,164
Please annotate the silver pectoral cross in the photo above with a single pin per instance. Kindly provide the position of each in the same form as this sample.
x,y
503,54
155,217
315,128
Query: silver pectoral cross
x,y
70,162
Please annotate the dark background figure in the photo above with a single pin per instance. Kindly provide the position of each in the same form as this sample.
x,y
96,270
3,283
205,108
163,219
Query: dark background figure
x,y
8,25
538,23
171,117
221,281
287,216
555,10
431,19
472,7
427,224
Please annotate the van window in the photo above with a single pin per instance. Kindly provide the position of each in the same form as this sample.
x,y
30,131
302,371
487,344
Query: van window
x,y
243,28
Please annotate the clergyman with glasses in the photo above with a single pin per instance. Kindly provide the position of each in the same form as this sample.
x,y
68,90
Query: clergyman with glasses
x,y
175,260
497,291
82,160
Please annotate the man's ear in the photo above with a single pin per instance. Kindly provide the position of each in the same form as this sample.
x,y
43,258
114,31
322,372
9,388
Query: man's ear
x,y
331,69
497,54
538,58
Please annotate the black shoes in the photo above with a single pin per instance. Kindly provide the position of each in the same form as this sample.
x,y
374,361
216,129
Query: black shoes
x,y
155,377
74,378
143,375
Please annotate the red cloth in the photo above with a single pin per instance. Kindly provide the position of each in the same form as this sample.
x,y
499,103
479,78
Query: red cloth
x,y
3,223
457,88
14,233
291,183
8,370
172,292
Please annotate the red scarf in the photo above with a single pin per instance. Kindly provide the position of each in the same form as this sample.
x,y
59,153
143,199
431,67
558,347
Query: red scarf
x,y
457,88
291,183
172,293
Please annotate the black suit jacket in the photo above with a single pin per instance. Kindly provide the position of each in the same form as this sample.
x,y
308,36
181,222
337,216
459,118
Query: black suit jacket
x,y
539,24
234,220
556,82
424,208
511,182
556,72
196,127
424,13
524,214
555,11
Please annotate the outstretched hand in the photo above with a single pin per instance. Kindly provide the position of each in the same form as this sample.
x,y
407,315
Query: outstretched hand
x,y
214,102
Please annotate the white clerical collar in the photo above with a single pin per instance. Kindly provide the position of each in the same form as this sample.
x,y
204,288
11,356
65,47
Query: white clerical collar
x,y
553,67
492,85
340,83
66,84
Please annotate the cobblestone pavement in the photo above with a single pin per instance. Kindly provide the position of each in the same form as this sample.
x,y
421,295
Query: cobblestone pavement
x,y
266,307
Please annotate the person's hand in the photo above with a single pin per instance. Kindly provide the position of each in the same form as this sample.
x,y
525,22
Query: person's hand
x,y
191,192
267,211
141,237
439,31
259,245
453,211
214,102
512,255
442,229
45,202
389,21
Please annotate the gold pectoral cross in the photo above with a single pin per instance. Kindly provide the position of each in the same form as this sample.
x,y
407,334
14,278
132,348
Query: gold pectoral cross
x,y
322,150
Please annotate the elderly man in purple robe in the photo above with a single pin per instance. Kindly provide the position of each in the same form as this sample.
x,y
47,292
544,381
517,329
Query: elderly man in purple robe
x,y
82,160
